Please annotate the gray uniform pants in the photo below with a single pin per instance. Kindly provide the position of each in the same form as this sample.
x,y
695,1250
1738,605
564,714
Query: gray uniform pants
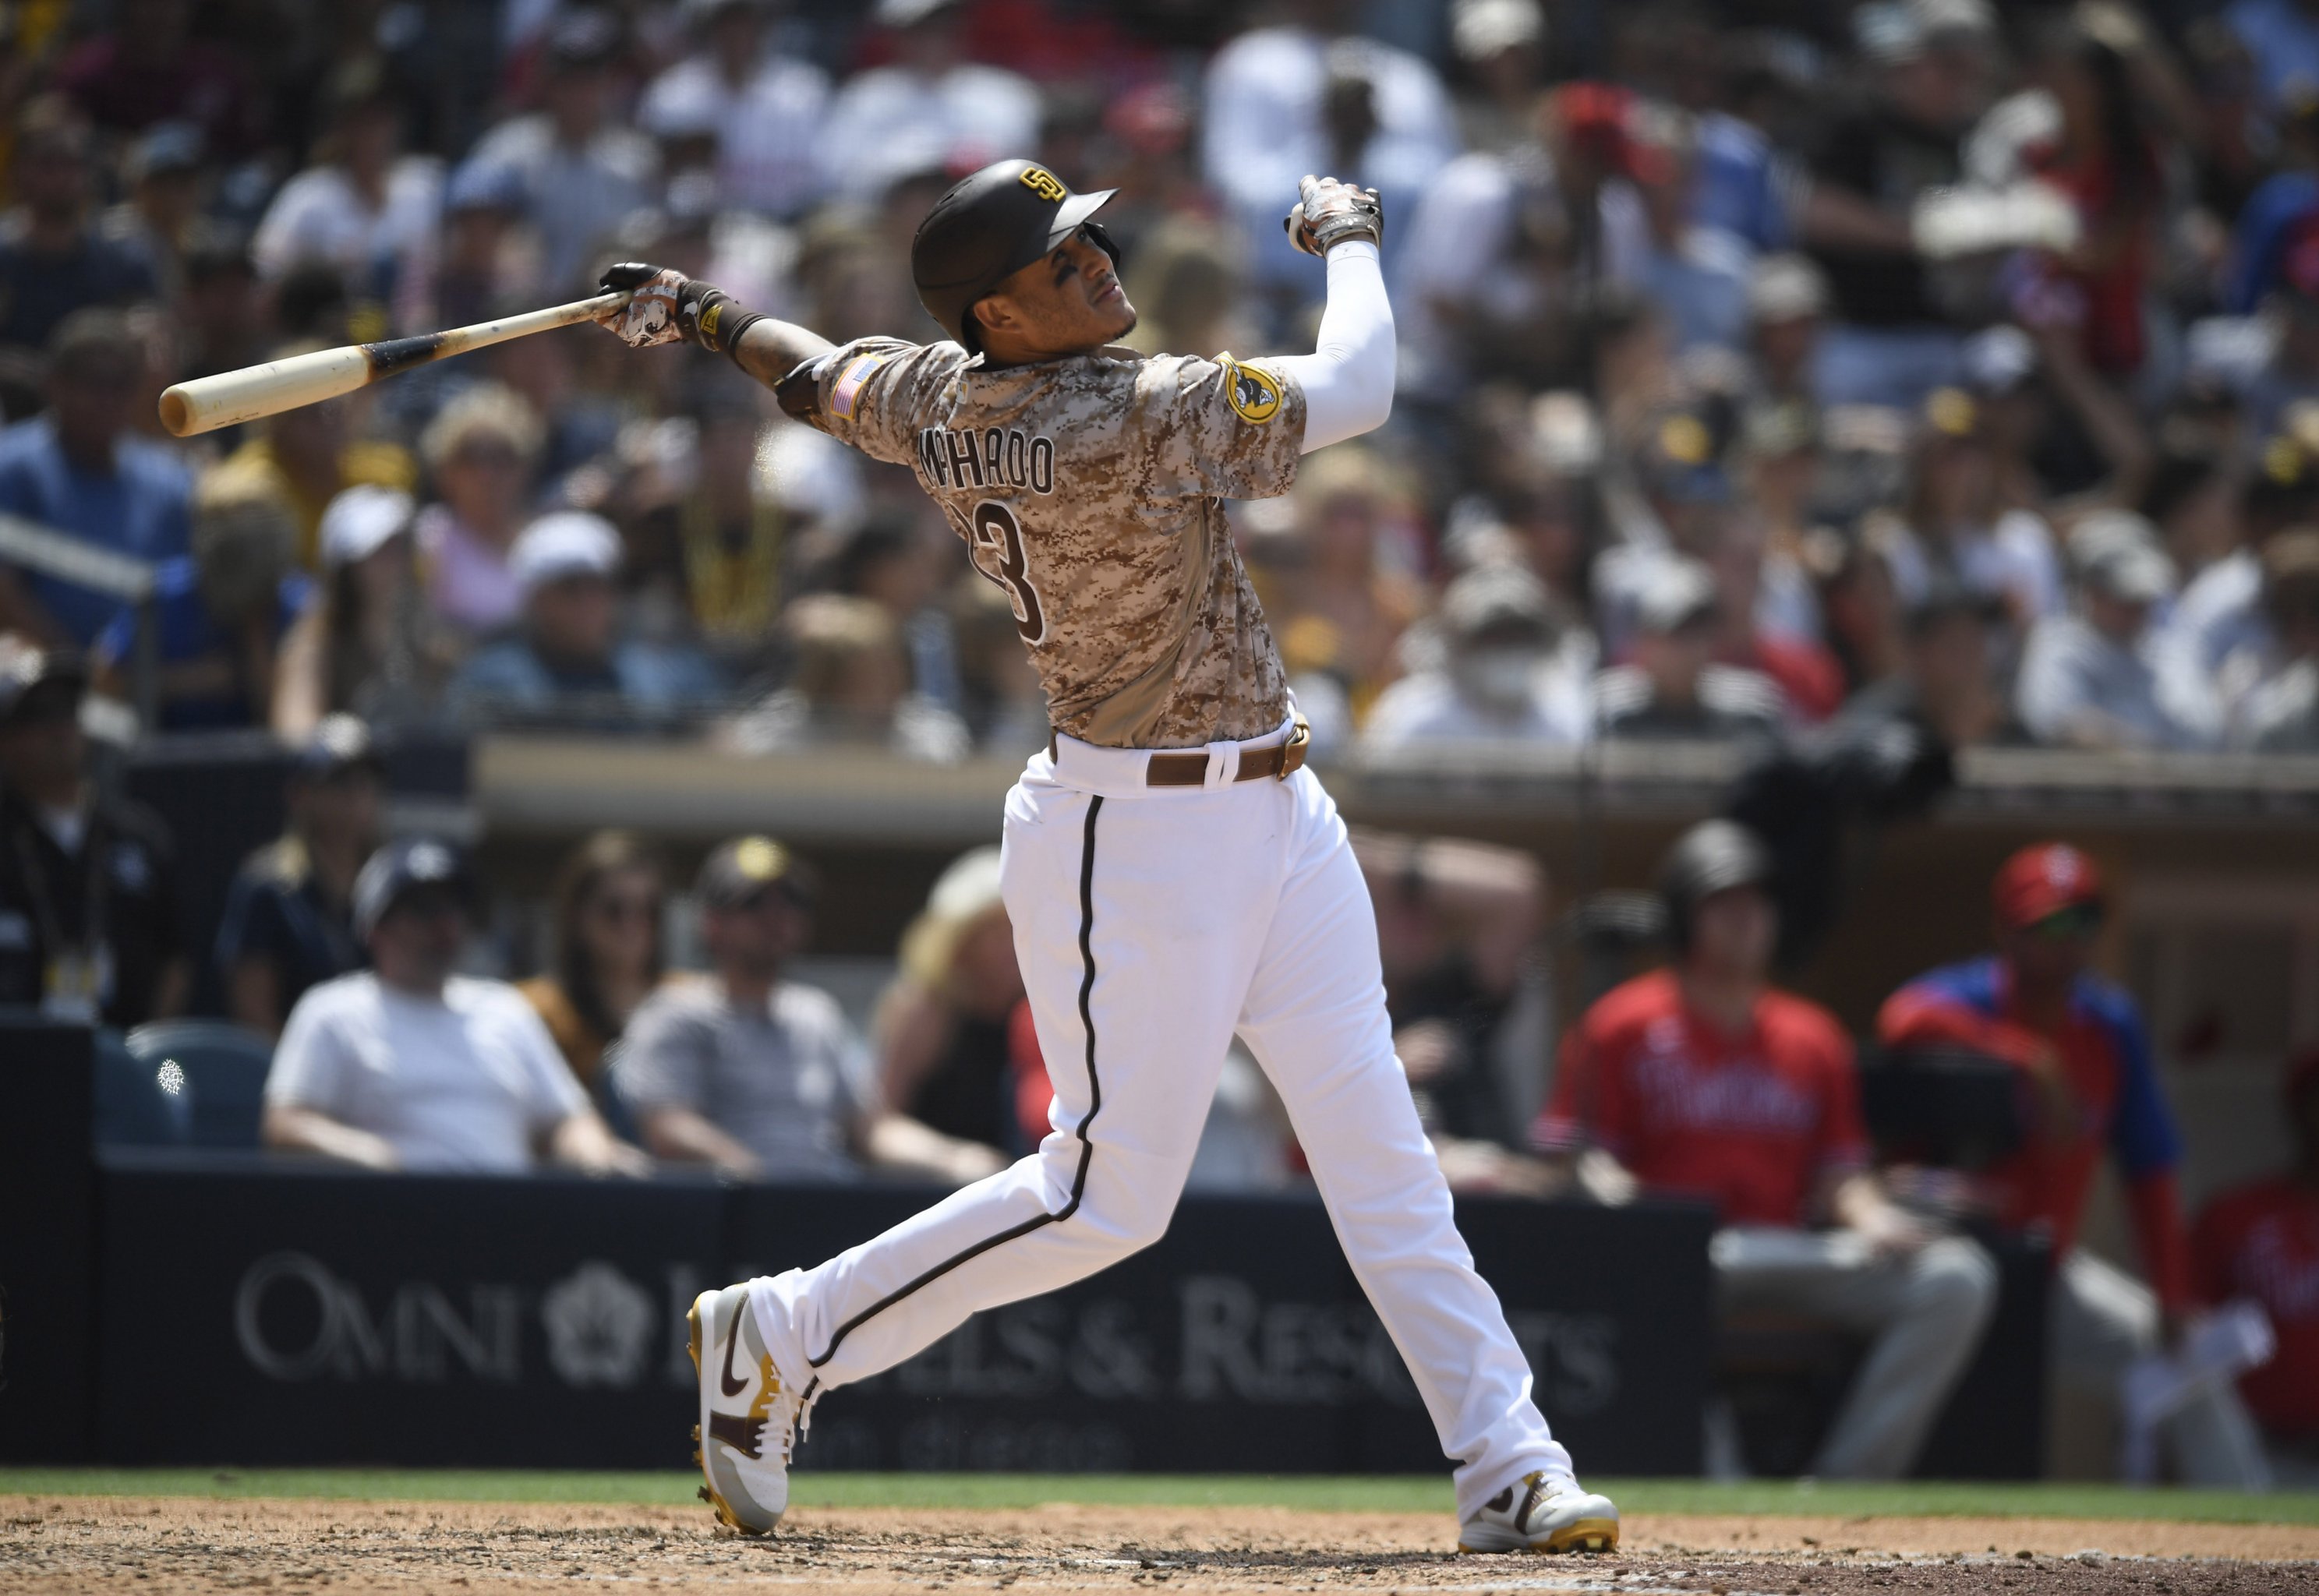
x,y
2099,1320
1926,1313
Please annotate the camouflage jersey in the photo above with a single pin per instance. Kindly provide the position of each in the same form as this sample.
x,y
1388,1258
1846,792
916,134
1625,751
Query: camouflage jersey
x,y
1091,490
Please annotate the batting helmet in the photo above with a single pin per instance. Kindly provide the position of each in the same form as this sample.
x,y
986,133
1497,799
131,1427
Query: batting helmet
x,y
1713,856
988,227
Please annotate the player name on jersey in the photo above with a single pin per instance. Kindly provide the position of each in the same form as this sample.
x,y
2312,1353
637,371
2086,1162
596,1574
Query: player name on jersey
x,y
994,457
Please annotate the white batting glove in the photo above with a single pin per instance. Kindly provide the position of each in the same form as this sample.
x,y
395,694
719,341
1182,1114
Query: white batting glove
x,y
1328,211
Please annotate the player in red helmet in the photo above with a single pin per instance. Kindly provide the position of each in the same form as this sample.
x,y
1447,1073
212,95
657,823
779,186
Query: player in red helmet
x,y
2037,1003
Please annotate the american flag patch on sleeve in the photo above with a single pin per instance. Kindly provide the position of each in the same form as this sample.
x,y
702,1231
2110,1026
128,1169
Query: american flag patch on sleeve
x,y
848,388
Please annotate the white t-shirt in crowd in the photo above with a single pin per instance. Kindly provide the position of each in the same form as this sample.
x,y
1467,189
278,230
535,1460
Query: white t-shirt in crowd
x,y
467,1082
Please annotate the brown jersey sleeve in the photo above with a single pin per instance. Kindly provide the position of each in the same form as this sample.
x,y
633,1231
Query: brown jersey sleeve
x,y
876,394
1224,428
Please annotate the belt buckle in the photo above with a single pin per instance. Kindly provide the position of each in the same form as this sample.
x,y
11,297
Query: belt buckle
x,y
1292,751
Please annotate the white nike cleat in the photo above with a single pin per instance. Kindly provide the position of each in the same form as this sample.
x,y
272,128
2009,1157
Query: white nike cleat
x,y
748,1414
1542,1514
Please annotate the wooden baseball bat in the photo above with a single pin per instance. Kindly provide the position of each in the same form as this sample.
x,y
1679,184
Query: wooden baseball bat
x,y
230,398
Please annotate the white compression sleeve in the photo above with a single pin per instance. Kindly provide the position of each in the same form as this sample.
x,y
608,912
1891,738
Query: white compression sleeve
x,y
1348,380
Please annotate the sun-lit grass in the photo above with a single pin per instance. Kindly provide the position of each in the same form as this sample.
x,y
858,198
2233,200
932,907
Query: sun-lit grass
x,y
1360,1493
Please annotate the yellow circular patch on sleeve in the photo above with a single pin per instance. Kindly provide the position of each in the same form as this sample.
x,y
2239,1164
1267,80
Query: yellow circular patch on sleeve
x,y
1253,392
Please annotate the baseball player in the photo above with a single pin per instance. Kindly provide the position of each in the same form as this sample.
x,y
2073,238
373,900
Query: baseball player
x,y
1173,873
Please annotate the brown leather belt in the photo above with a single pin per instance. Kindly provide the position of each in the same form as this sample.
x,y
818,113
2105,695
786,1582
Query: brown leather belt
x,y
1279,761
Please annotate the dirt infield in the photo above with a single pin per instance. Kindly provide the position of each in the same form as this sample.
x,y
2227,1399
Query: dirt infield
x,y
59,1544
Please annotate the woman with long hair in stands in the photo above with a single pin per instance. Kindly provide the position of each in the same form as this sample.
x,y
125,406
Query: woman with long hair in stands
x,y
610,897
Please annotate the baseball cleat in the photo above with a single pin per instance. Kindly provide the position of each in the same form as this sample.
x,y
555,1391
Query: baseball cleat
x,y
1540,1514
748,1414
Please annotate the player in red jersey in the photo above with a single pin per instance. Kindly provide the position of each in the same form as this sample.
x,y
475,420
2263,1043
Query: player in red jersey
x,y
2261,1241
1702,1080
2081,1042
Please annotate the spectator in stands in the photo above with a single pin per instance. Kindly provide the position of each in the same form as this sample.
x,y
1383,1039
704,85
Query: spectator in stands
x,y
1503,679
148,67
1501,46
1005,704
289,917
1787,302
928,109
79,469
409,1066
484,257
891,558
581,170
1955,527
1743,565
307,456
479,451
218,615
766,108
1946,684
362,207
940,1027
760,1077
89,930
1675,688
850,688
2259,1242
52,260
2282,708
1891,341
370,646
569,662
1458,930
2085,678
159,215
2082,1048
1702,1080
610,899
1339,606
1326,99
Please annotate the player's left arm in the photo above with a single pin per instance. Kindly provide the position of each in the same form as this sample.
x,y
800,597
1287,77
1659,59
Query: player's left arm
x,y
1347,379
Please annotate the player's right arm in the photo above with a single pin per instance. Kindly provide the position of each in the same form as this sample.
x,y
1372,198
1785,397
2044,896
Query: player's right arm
x,y
1347,379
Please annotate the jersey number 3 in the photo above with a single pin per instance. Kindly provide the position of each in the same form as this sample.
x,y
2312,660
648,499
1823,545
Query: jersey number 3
x,y
998,556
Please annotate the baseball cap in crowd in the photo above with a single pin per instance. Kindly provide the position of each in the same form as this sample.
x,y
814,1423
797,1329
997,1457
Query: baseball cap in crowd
x,y
1606,122
360,520
1896,30
2044,880
1497,601
39,684
485,185
562,544
1679,594
1480,29
1785,288
907,13
341,744
1950,412
165,148
582,40
408,870
741,869
2119,553
1677,462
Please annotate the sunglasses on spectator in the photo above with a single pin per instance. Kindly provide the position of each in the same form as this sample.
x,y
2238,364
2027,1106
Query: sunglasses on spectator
x,y
2072,924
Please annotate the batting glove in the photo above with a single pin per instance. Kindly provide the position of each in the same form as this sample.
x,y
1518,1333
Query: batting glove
x,y
1328,211
669,308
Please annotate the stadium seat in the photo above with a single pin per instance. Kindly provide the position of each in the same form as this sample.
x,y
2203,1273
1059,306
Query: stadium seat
x,y
224,1065
138,1104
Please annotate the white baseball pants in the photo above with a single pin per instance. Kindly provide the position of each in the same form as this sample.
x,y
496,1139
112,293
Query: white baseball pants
x,y
1152,925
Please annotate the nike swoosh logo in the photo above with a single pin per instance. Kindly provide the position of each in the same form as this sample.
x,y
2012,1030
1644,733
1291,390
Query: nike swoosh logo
x,y
731,1333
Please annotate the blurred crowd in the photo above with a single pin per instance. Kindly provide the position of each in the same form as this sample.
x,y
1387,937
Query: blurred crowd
x,y
1764,363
